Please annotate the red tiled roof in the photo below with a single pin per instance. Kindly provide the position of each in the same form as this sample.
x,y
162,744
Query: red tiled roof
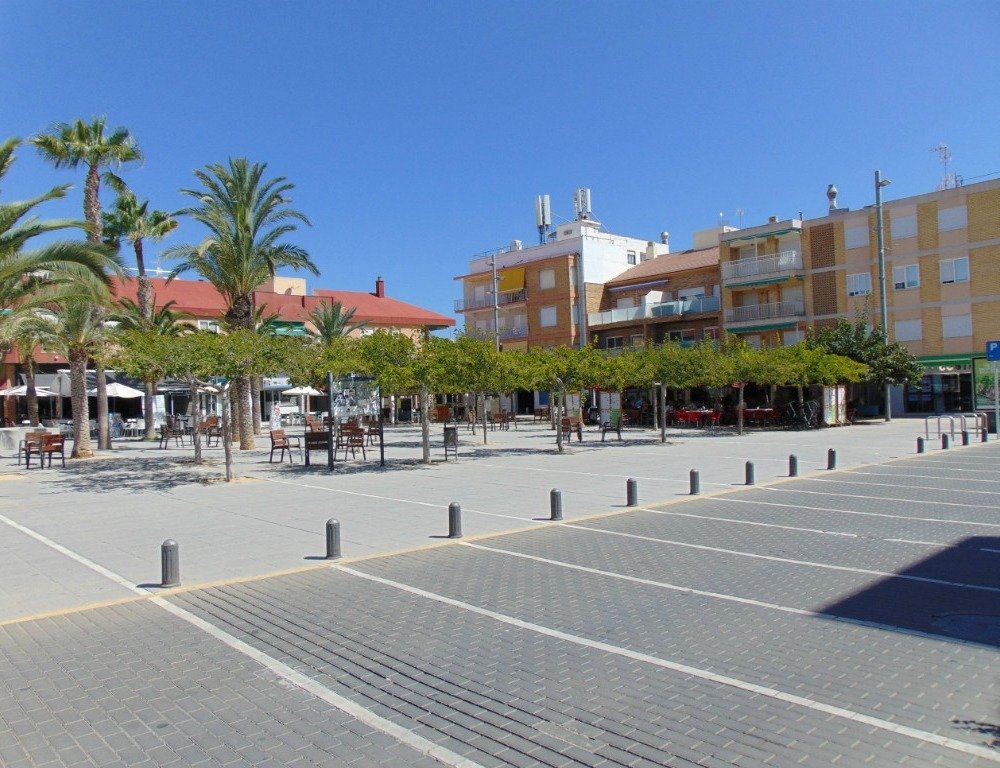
x,y
381,310
667,264
197,297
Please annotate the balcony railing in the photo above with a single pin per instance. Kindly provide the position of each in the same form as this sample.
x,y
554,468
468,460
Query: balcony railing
x,y
514,333
756,266
756,312
664,309
510,297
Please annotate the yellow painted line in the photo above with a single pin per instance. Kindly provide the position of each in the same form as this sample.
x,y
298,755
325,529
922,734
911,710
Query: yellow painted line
x,y
72,610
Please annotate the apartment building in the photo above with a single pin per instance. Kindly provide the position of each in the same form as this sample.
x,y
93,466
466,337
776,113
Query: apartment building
x,y
545,292
673,297
942,266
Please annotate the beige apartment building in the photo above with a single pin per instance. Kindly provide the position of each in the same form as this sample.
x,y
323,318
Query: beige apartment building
x,y
942,266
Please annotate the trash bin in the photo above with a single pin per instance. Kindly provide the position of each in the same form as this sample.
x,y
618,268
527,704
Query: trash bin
x,y
450,441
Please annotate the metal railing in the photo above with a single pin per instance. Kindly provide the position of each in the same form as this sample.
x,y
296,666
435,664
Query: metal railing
x,y
510,297
663,309
761,265
755,312
979,421
514,333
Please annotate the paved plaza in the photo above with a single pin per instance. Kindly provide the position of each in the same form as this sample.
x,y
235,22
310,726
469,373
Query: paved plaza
x,y
843,617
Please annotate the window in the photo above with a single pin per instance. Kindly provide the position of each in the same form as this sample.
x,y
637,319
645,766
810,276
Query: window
x,y
856,237
956,326
690,293
712,333
546,279
625,302
637,340
792,337
859,284
752,340
208,325
614,342
909,330
903,226
952,218
547,317
906,277
631,257
955,270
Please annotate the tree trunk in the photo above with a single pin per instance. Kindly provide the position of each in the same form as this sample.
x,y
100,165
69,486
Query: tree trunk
x,y
242,387
194,416
92,204
739,412
484,414
662,411
255,387
558,410
227,430
30,393
81,414
103,434
149,411
425,423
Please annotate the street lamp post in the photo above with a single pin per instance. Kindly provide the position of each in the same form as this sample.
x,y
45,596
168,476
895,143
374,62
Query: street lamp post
x,y
496,305
879,183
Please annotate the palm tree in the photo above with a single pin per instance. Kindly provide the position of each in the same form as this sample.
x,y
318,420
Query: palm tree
x,y
163,322
246,217
78,333
27,339
133,221
332,322
69,145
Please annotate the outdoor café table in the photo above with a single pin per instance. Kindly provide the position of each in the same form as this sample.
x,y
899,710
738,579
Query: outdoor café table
x,y
696,416
761,416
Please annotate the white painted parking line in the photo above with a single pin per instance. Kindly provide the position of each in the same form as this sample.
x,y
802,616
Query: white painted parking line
x,y
969,523
922,477
685,669
658,479
879,498
397,500
788,560
371,719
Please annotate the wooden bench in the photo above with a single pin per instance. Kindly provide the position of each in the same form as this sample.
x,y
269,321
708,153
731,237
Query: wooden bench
x,y
31,445
541,414
52,444
351,438
571,424
210,427
315,440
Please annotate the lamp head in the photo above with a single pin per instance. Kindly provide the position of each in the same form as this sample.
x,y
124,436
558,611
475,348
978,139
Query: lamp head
x,y
884,183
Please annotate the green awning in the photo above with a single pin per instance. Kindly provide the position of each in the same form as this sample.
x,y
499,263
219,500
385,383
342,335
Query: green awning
x,y
945,359
765,327
760,281
762,235
287,328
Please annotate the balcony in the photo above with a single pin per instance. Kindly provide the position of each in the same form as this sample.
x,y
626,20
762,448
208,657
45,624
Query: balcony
x,y
511,297
761,266
514,333
664,309
754,313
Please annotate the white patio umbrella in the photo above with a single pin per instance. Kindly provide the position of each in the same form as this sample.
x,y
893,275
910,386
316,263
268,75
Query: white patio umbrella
x,y
22,391
302,392
117,389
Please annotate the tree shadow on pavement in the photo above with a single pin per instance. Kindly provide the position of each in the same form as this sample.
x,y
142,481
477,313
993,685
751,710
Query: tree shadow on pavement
x,y
132,475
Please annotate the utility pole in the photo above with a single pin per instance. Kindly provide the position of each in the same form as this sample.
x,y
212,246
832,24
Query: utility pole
x,y
496,303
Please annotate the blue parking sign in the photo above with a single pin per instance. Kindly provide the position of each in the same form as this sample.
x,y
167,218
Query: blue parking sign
x,y
993,351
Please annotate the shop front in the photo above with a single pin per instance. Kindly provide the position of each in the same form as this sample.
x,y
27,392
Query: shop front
x,y
946,386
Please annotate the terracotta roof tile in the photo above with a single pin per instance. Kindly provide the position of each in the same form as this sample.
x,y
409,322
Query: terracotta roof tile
x,y
668,264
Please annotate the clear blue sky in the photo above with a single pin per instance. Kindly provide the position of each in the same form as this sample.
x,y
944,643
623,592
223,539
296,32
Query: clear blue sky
x,y
418,134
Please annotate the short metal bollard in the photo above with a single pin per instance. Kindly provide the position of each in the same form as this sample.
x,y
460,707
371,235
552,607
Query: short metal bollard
x,y
793,465
170,564
555,504
695,482
921,446
985,435
632,492
454,520
332,539
965,437
945,441
831,458
749,473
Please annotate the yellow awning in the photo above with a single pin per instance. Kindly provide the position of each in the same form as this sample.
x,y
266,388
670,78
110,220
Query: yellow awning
x,y
511,280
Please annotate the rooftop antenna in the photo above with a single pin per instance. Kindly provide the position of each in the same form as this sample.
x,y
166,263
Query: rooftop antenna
x,y
949,180
739,216
722,219
543,217
581,203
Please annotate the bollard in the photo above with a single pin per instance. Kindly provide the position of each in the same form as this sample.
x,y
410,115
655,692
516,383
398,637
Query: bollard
x,y
695,482
793,466
985,436
945,440
555,504
454,520
170,564
920,445
632,492
332,539
831,459
965,437
749,469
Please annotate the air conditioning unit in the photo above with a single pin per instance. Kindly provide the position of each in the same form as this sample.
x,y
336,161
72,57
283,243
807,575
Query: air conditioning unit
x,y
516,245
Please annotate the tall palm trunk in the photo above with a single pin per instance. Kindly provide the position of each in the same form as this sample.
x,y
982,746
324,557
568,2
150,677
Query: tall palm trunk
x,y
255,387
78,396
103,433
245,416
92,204
149,410
30,393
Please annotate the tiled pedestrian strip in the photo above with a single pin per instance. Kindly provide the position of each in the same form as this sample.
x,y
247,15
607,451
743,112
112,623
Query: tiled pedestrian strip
x,y
130,686
512,695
